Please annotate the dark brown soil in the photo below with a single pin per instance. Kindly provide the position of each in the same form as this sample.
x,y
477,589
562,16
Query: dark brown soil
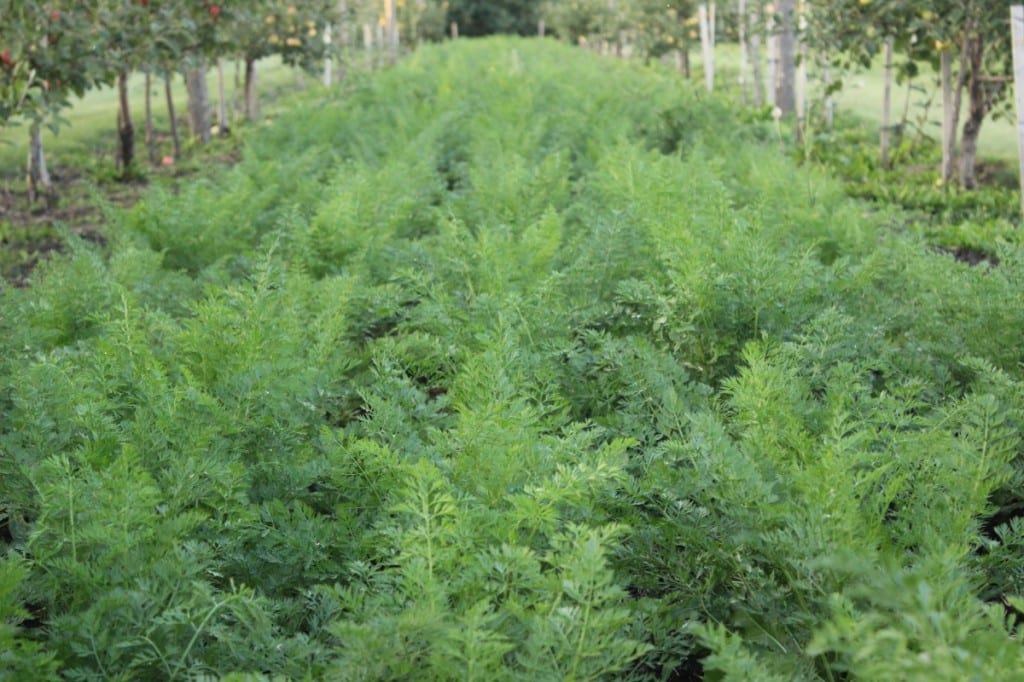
x,y
29,233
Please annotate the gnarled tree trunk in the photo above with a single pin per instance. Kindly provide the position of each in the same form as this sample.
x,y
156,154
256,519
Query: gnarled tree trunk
x,y
125,129
175,138
977,108
251,106
198,100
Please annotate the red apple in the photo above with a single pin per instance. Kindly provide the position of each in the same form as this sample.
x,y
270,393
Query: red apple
x,y
5,58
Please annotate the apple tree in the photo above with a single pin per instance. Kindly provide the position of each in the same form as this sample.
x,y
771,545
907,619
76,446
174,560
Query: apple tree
x,y
973,33
47,53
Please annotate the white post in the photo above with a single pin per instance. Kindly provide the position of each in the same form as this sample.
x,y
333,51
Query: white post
x,y
707,49
754,28
801,71
887,102
948,124
391,29
368,45
1017,21
327,59
773,58
741,18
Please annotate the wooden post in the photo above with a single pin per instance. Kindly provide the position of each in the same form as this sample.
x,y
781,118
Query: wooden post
x,y
222,103
380,44
1017,22
540,28
801,74
707,49
175,138
150,144
741,20
368,46
773,58
391,29
455,30
830,101
712,25
785,95
948,123
886,103
754,53
327,57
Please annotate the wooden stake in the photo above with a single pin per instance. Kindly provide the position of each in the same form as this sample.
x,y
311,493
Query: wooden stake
x,y
391,22
1017,22
754,53
948,123
707,49
801,74
368,44
327,59
741,19
773,59
785,91
222,104
887,103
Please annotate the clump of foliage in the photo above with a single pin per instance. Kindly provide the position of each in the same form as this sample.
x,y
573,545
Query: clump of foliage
x,y
518,365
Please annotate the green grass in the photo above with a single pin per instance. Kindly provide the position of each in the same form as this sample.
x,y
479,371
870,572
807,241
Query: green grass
x,y
862,96
87,136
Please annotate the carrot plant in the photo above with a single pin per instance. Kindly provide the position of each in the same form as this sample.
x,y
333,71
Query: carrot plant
x,y
511,362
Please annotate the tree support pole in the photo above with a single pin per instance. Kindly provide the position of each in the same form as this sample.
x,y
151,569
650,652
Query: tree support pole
x,y
1017,22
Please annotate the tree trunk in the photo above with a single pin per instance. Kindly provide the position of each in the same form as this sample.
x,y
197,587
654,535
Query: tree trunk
x,y
125,129
175,138
785,92
977,108
958,96
222,105
150,143
198,100
38,178
251,107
